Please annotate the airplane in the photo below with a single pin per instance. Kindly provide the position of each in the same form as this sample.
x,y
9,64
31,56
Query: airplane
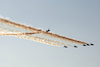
x,y
65,46
84,45
75,46
88,44
92,44
48,30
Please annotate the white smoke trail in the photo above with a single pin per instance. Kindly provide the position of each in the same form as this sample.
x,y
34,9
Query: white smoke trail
x,y
23,35
51,40
40,31
36,37
43,40
29,34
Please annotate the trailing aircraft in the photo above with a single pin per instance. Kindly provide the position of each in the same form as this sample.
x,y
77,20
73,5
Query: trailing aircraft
x,y
65,46
92,44
48,30
84,45
88,44
75,46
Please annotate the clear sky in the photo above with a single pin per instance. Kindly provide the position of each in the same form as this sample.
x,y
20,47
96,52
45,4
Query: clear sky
x,y
79,19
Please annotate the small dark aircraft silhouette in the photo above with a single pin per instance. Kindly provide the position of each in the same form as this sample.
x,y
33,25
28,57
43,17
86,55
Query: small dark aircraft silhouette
x,y
92,44
88,44
65,46
84,45
75,46
48,30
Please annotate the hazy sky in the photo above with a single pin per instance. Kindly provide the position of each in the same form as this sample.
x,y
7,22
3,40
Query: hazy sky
x,y
79,19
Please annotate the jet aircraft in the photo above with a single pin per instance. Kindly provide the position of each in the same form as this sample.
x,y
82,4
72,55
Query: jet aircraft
x,y
92,44
48,30
65,46
88,44
84,45
75,46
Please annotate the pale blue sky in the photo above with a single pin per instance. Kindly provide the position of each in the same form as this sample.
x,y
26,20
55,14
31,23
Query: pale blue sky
x,y
79,19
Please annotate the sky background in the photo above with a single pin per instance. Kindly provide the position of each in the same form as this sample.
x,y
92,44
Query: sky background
x,y
79,19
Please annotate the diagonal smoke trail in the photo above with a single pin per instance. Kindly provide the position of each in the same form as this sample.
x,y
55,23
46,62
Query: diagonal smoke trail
x,y
50,40
25,34
27,37
42,41
36,37
10,33
17,25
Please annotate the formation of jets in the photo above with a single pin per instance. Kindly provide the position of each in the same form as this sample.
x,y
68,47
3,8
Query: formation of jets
x,y
74,45
83,45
